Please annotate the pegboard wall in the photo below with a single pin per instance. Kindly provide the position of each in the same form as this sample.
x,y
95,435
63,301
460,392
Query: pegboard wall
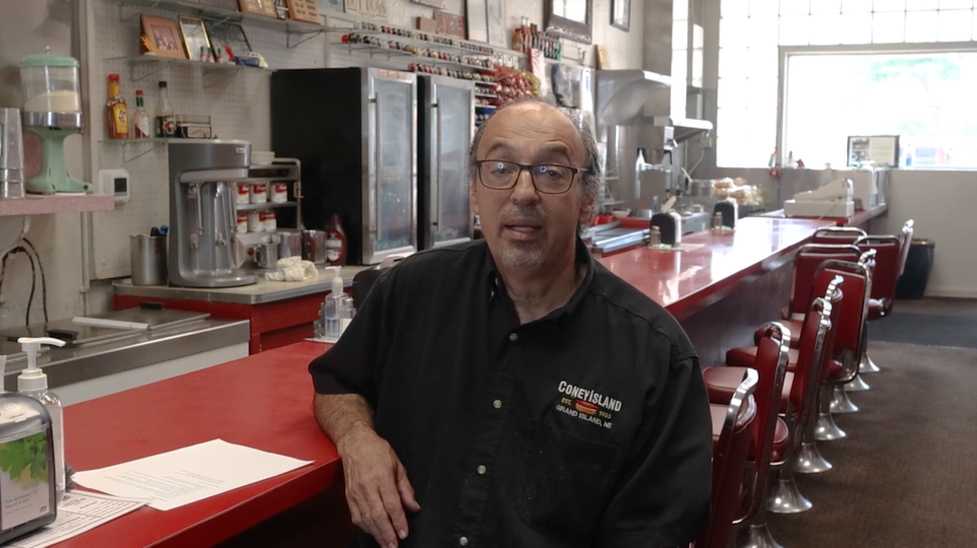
x,y
236,100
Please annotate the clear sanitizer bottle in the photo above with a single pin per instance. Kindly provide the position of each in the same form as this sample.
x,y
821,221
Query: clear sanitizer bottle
x,y
33,382
333,317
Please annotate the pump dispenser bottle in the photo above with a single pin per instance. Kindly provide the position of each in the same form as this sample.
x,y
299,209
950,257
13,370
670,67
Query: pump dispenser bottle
x,y
33,382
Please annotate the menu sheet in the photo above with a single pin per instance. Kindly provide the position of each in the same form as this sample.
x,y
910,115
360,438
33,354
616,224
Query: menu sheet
x,y
78,512
189,474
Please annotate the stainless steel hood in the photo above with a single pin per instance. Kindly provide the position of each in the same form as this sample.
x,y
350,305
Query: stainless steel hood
x,y
685,128
622,94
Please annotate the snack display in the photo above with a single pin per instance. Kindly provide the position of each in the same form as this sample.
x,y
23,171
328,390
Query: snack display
x,y
738,189
514,84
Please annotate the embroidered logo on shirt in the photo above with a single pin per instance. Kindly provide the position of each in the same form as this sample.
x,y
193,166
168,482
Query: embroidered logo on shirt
x,y
587,405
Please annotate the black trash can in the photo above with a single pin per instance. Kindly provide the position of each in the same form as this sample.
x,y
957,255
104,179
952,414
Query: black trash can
x,y
919,263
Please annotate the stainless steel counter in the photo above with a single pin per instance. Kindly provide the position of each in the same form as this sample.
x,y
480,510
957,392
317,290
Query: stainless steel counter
x,y
67,366
265,291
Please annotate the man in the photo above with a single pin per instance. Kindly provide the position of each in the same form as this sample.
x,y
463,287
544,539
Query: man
x,y
511,391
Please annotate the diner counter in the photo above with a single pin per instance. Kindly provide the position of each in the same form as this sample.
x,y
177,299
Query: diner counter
x,y
707,266
261,401
264,291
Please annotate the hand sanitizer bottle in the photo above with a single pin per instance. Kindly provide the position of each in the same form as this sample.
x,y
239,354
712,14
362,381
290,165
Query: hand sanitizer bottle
x,y
333,318
33,382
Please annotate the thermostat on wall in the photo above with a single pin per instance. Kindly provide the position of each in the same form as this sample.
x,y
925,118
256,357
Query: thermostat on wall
x,y
114,182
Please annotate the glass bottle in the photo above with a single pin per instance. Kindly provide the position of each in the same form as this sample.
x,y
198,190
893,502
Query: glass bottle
x,y
164,121
117,114
142,128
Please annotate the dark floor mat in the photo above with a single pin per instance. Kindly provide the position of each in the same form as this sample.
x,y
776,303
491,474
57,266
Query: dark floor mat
x,y
926,329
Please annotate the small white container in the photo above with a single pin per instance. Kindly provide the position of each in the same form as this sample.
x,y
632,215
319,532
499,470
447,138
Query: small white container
x,y
254,222
259,193
269,221
242,222
262,157
243,194
279,193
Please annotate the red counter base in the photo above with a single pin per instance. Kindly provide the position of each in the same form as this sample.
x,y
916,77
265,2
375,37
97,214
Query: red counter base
x,y
262,401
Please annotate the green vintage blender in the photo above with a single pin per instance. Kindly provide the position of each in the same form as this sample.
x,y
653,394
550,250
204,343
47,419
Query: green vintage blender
x,y
52,110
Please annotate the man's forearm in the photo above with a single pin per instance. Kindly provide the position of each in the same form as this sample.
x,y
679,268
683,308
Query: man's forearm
x,y
339,415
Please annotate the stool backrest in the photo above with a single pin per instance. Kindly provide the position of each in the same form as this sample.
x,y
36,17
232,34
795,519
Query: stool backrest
x,y
809,257
773,353
729,461
837,235
886,271
850,314
905,239
812,355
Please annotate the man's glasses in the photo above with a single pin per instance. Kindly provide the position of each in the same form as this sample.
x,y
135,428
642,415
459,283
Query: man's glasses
x,y
547,178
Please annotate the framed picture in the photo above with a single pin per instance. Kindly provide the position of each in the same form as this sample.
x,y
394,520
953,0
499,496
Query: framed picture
x,y
330,6
161,36
477,15
570,19
449,24
195,39
227,40
621,14
260,7
497,32
304,10
353,6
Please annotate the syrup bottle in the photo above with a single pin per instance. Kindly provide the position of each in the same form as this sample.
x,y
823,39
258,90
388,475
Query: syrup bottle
x,y
335,242
117,114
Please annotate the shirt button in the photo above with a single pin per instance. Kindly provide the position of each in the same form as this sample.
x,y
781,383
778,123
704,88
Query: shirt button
x,y
481,469
497,404
463,541
513,337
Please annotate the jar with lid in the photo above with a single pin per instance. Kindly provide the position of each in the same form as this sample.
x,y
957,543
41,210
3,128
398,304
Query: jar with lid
x,y
50,84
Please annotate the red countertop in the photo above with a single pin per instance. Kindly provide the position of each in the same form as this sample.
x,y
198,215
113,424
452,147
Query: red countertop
x,y
683,281
262,401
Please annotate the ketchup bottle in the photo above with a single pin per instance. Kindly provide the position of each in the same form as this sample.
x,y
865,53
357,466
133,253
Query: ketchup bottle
x,y
335,242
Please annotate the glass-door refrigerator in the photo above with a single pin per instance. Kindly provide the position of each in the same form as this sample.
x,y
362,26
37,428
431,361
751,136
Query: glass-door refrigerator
x,y
446,122
355,132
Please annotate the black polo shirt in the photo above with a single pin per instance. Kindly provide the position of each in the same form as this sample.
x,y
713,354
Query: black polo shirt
x,y
589,427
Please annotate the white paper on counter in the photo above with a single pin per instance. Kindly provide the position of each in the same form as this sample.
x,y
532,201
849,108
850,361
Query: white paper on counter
x,y
190,474
78,512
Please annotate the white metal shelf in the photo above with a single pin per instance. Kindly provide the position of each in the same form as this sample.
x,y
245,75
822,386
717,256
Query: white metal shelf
x,y
390,52
266,205
217,13
34,204
160,63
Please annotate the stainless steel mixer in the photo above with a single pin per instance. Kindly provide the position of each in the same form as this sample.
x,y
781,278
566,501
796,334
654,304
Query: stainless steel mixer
x,y
202,217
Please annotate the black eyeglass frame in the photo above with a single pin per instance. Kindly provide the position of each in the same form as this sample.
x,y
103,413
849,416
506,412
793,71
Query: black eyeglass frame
x,y
528,167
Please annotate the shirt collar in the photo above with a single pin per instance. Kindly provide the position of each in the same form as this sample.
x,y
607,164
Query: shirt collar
x,y
582,258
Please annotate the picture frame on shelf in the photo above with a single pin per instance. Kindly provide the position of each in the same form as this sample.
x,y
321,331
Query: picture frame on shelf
x,y
476,15
353,6
259,7
304,10
450,24
570,19
161,37
621,14
195,39
227,40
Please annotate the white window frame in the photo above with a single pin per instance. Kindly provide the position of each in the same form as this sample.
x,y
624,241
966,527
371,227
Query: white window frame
x,y
786,52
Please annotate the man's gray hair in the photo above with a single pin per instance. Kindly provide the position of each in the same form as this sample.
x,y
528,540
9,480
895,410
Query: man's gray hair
x,y
590,180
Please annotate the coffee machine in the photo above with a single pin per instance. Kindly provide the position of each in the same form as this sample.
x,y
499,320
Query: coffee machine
x,y
202,215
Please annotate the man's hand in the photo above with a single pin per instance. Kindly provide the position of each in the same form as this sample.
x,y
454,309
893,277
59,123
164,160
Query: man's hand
x,y
377,488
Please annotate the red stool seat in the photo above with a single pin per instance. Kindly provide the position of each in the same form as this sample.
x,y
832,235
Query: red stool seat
x,y
718,415
721,382
781,435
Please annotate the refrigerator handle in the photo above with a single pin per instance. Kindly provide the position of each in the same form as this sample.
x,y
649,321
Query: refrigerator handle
x,y
437,172
376,163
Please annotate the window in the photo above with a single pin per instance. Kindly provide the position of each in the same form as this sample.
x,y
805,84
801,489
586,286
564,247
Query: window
x,y
925,98
751,33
